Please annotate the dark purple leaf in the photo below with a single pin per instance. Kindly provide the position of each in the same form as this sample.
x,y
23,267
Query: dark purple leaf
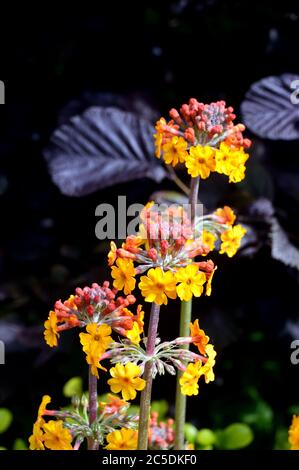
x,y
268,110
100,148
282,249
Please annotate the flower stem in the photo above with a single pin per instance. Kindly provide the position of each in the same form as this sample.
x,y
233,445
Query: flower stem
x,y
145,400
92,406
186,312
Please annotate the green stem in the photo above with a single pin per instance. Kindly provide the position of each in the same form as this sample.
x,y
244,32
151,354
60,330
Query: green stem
x,y
181,400
185,319
146,394
92,406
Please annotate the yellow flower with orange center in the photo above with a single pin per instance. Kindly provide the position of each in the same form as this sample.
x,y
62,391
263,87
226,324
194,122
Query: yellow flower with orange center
x,y
226,215
125,379
189,379
93,356
199,338
231,240
57,437
175,151
191,282
51,332
157,286
230,161
98,334
209,239
122,439
294,433
201,161
134,334
123,274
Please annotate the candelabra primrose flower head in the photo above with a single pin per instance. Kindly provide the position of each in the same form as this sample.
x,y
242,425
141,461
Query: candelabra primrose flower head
x,y
205,138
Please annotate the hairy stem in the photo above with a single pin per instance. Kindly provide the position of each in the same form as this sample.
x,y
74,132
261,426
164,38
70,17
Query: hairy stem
x,y
92,406
145,400
186,313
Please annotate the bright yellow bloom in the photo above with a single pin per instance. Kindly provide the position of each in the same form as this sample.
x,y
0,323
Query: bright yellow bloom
x,y
112,254
226,214
199,338
175,151
99,334
207,369
42,407
134,334
37,437
191,282
294,433
231,240
209,283
57,437
230,161
50,332
126,380
209,239
189,379
123,274
93,356
157,286
122,439
201,161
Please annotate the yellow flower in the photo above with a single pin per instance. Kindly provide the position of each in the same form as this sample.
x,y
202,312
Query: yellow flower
x,y
51,333
157,286
230,161
209,283
42,407
294,433
199,338
175,151
57,437
191,282
37,437
201,161
207,369
134,334
159,136
231,240
208,238
226,215
122,439
99,334
126,380
112,254
93,358
189,379
123,275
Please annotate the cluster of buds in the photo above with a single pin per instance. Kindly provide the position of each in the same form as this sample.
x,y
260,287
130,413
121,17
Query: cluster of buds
x,y
205,138
161,434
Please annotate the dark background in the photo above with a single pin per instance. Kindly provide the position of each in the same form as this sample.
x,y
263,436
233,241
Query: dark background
x,y
165,52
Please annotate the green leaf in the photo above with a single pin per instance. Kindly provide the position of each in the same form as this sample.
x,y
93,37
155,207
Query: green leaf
x,y
236,436
190,432
73,387
6,418
2,448
206,437
19,444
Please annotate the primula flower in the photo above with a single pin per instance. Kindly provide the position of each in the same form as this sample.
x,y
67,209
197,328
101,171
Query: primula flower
x,y
123,274
201,161
37,437
231,162
225,215
93,355
189,379
231,240
294,433
209,239
157,286
191,282
113,405
199,338
51,332
175,151
134,334
57,437
125,379
122,439
98,334
112,254
207,369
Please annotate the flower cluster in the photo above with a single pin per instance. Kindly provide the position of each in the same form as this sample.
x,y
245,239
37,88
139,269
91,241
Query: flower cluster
x,y
204,138
165,251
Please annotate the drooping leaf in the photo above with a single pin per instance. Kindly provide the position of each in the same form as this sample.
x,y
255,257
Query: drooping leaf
x,y
282,249
5,419
100,148
268,110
